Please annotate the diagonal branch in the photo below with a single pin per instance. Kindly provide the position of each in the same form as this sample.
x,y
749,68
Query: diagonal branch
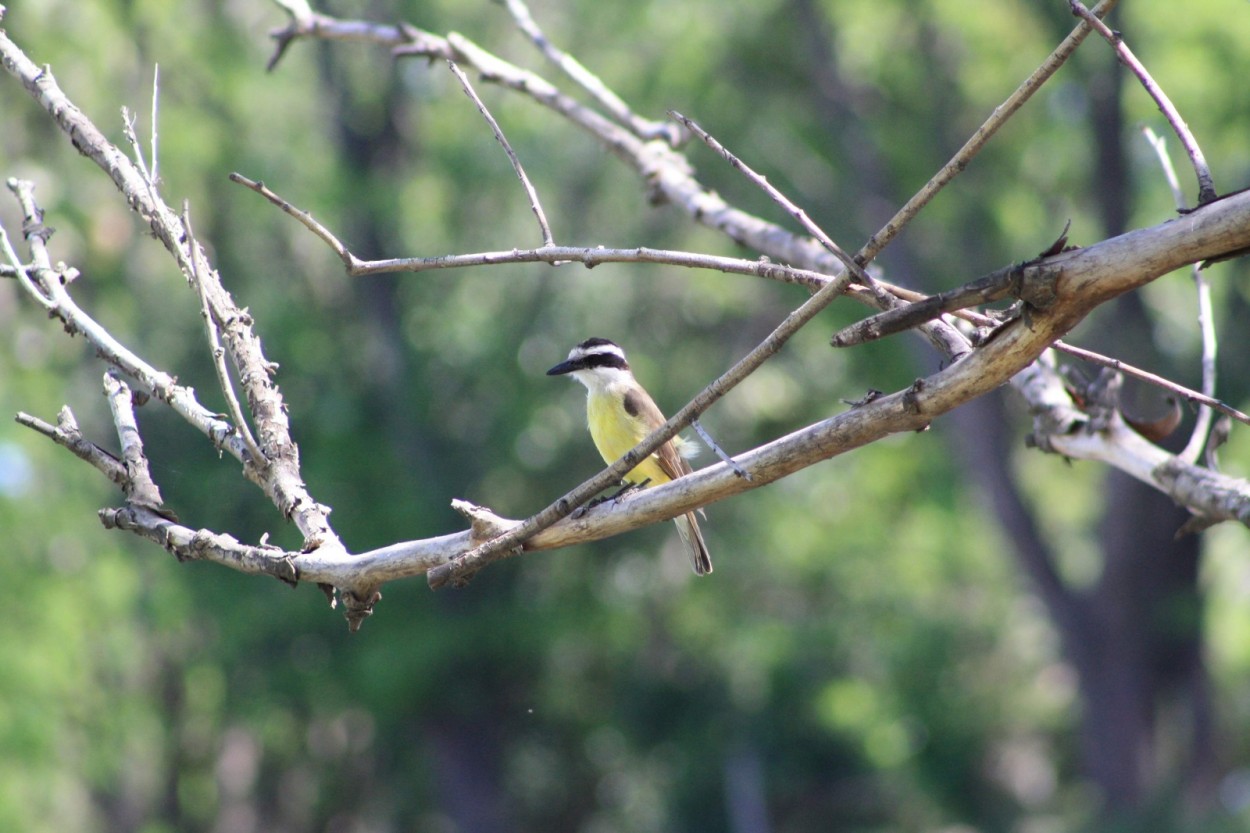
x,y
588,81
800,216
535,206
67,434
980,137
139,487
1206,185
216,353
1204,400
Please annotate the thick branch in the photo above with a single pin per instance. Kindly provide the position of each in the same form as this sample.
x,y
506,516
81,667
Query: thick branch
x,y
1086,278
188,544
1060,427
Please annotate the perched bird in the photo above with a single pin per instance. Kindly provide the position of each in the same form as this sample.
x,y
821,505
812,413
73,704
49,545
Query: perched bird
x,y
620,414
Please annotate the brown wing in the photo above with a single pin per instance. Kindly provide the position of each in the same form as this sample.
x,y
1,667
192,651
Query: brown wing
x,y
641,406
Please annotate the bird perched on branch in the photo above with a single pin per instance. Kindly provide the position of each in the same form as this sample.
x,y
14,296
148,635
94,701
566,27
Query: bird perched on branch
x,y
620,414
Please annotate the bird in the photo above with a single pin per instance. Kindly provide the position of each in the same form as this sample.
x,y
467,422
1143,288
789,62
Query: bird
x,y
620,414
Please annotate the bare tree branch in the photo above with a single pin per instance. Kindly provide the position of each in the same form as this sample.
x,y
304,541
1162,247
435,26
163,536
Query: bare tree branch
x,y
589,256
1061,289
535,205
216,352
973,146
66,433
139,487
1188,394
201,545
1206,314
154,382
718,451
787,205
588,81
1104,437
1206,186
278,473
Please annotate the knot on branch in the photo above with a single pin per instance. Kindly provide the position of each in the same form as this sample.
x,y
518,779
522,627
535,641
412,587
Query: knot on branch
x,y
484,525
1092,407
358,606
911,397
1037,285
485,531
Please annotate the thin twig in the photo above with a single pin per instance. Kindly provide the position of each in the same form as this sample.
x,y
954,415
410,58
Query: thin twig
x,y
132,139
156,98
1146,376
592,256
216,351
512,157
1206,312
780,199
586,255
1206,186
720,452
588,81
978,140
304,217
67,434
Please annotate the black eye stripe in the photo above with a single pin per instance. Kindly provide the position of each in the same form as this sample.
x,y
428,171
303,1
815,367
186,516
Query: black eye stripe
x,y
614,360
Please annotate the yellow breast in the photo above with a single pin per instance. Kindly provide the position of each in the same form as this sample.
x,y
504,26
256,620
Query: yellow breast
x,y
615,432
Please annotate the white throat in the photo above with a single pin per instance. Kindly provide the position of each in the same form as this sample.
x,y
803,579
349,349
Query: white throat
x,y
602,379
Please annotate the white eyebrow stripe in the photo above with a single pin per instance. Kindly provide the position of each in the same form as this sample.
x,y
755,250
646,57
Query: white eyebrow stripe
x,y
606,350
597,350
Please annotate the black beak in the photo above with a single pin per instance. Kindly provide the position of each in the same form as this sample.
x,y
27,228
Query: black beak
x,y
566,367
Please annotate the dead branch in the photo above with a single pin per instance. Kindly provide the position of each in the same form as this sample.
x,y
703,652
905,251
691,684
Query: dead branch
x,y
278,473
1061,289
1206,185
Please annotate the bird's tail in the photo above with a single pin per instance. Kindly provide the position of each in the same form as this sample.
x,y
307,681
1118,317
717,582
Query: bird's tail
x,y
688,529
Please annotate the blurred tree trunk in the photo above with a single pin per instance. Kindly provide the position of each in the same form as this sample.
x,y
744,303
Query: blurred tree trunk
x,y
1144,643
1135,639
466,758
464,754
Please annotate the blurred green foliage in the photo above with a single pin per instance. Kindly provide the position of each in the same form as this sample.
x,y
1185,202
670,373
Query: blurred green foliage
x,y
864,658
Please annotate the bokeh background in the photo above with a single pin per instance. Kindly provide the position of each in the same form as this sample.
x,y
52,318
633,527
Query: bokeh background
x,y
942,632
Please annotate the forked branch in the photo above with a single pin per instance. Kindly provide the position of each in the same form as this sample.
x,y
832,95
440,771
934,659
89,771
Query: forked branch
x,y
1069,285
